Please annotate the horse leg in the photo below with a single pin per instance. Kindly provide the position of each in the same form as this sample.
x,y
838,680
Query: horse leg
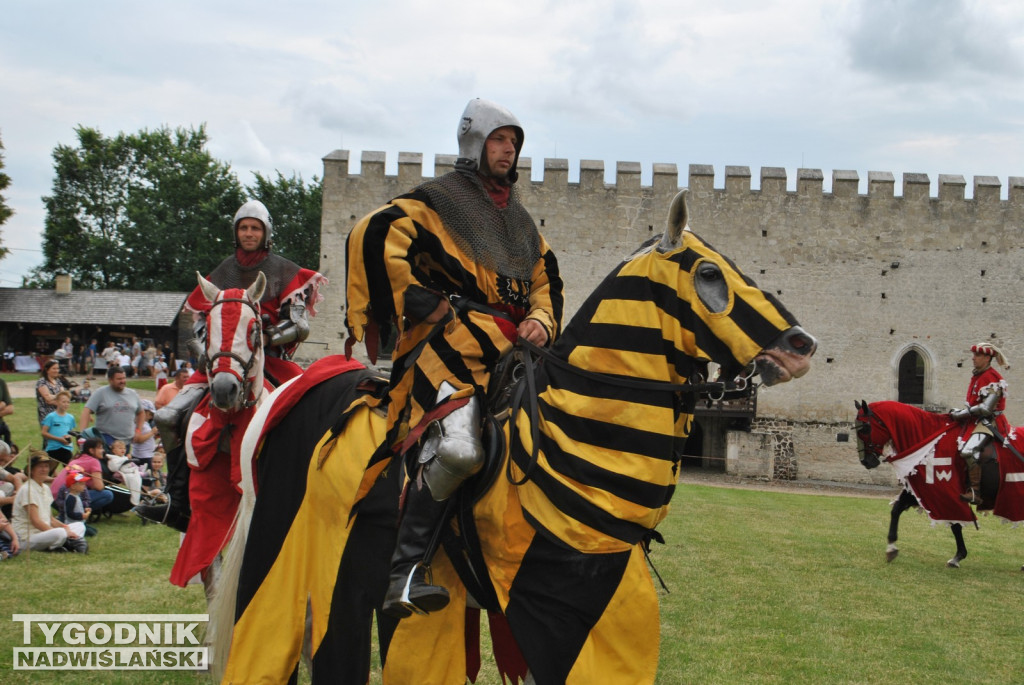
x,y
961,548
904,502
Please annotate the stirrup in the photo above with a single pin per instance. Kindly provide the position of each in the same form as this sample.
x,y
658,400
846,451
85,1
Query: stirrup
x,y
971,496
436,599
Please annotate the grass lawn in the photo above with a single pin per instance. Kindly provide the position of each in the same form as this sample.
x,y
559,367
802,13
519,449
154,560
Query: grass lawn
x,y
766,587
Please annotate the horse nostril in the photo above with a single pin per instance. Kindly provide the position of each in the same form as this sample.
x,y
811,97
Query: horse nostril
x,y
801,342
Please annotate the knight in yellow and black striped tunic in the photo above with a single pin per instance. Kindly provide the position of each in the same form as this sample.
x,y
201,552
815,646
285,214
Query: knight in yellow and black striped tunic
x,y
462,239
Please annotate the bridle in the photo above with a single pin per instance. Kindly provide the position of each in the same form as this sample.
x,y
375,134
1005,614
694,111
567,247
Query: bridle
x,y
247,378
870,454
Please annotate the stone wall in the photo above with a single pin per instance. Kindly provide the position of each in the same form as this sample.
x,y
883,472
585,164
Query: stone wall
x,y
871,275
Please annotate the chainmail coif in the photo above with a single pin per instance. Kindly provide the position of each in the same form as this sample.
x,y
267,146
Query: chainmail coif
x,y
503,240
278,270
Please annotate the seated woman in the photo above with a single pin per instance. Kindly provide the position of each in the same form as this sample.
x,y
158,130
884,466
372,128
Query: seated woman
x,y
36,526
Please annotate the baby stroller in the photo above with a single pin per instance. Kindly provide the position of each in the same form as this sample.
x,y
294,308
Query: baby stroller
x,y
63,362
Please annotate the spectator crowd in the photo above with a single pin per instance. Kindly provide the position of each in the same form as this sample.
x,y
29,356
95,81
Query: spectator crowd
x,y
89,468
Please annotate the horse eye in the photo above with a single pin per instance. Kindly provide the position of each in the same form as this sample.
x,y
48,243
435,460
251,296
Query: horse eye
x,y
254,333
709,273
711,286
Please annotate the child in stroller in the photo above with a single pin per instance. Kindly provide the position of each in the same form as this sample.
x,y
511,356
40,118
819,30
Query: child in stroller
x,y
82,394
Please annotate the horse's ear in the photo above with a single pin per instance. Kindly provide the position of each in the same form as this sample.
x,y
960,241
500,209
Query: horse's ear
x,y
209,289
255,291
678,215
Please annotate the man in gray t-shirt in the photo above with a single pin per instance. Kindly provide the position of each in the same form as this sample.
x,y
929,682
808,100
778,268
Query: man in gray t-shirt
x,y
117,408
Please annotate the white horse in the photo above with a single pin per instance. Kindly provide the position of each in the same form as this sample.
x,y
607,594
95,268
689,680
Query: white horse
x,y
234,368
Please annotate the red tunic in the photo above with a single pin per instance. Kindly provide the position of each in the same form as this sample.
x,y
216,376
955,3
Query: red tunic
x,y
982,385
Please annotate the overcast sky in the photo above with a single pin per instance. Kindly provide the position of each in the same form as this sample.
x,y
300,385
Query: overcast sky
x,y
930,86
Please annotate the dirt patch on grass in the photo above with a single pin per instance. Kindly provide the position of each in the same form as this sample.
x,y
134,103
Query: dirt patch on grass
x,y
809,487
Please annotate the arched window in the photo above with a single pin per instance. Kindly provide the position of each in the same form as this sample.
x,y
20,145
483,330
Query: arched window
x,y
911,378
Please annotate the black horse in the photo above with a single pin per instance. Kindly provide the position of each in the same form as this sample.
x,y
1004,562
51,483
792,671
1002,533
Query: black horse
x,y
904,427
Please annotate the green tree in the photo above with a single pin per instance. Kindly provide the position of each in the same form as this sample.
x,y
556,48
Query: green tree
x,y
181,212
86,214
5,211
296,209
141,211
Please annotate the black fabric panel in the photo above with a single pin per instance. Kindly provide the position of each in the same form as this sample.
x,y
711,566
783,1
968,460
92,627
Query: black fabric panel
x,y
559,592
555,281
563,379
344,654
420,303
377,280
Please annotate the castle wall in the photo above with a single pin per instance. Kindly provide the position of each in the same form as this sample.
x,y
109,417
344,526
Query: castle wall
x,y
870,275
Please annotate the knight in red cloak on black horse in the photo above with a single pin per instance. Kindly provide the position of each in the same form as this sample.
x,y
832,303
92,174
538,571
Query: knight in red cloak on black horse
x,y
983,416
287,304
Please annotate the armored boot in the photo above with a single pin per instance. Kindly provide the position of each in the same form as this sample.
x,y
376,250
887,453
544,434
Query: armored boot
x,y
971,454
973,493
410,587
171,421
451,452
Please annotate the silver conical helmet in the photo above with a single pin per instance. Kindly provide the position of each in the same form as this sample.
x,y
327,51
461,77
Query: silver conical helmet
x,y
254,209
480,118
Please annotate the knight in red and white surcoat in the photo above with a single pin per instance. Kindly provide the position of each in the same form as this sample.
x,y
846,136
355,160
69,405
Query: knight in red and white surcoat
x,y
983,416
288,302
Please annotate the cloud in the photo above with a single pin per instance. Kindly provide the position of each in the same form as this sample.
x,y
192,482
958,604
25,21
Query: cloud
x,y
932,41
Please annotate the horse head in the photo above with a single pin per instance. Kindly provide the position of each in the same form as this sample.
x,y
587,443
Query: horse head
x,y
684,303
886,428
872,436
234,344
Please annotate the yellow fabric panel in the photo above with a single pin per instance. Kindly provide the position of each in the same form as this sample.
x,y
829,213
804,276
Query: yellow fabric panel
x,y
504,534
647,315
624,363
541,307
574,533
357,291
268,636
623,646
615,412
431,650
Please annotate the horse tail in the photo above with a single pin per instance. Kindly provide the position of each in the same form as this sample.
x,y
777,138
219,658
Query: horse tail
x,y
225,591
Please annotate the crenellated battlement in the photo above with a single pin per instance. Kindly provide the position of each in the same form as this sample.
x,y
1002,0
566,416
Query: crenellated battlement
x,y
700,179
872,274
